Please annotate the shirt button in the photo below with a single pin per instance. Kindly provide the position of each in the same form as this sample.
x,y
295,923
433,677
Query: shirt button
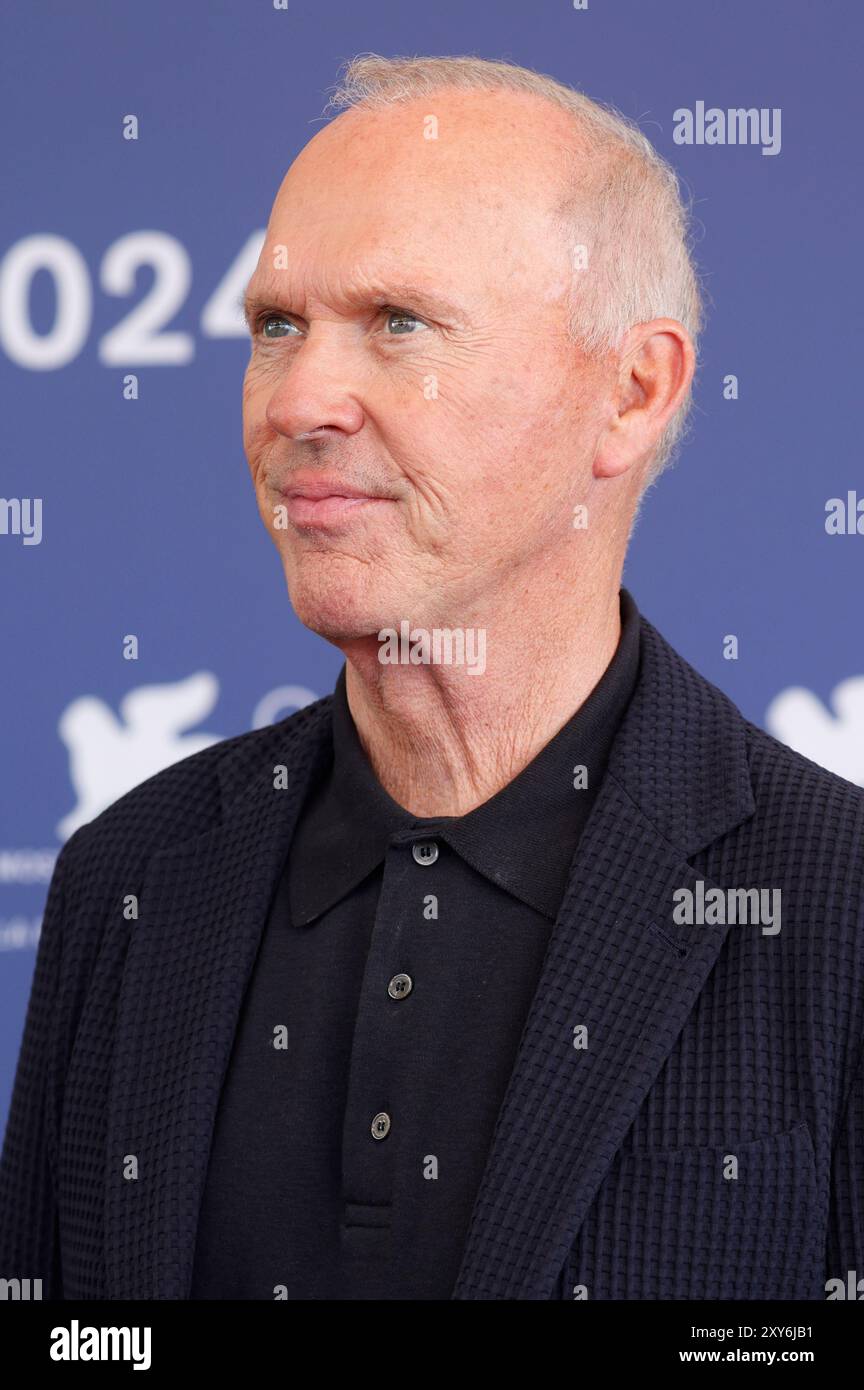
x,y
400,986
425,852
381,1126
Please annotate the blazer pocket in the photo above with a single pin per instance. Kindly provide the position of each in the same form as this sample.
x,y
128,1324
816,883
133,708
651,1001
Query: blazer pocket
x,y
738,1221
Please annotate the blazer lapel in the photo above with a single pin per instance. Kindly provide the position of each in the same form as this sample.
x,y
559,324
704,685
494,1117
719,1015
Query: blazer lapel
x,y
618,965
677,779
202,910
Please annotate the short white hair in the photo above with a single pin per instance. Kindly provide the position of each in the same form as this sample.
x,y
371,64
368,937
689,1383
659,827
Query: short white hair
x,y
625,206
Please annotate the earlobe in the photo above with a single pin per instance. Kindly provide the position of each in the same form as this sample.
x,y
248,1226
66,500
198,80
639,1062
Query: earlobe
x,y
613,456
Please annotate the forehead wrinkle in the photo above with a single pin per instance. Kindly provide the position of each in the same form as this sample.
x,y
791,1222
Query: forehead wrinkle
x,y
359,294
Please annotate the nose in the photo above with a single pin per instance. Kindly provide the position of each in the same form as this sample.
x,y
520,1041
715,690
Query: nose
x,y
318,390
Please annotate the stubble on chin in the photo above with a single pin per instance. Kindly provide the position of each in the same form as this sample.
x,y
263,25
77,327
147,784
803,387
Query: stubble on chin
x,y
336,597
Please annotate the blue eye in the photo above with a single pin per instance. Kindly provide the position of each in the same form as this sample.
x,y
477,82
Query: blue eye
x,y
403,317
275,318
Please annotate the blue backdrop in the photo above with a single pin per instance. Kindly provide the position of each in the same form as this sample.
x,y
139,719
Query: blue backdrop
x,y
126,256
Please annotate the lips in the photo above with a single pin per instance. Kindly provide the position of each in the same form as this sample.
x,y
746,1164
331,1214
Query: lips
x,y
316,501
319,486
329,510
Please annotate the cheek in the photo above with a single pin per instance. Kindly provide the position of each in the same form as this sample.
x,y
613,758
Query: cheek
x,y
253,392
258,387
257,432
534,449
476,451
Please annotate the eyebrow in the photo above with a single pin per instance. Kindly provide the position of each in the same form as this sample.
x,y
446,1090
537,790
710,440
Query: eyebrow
x,y
401,295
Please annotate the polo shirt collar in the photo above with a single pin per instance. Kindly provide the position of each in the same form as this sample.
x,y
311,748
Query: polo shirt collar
x,y
522,839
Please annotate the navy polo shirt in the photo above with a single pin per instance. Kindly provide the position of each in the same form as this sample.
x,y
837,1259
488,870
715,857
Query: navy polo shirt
x,y
382,1018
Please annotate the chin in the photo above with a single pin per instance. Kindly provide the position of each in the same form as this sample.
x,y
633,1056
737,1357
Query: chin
x,y
337,602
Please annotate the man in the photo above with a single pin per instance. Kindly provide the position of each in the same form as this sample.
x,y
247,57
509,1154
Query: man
x,y
522,966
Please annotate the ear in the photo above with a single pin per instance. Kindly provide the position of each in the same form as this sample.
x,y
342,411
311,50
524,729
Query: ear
x,y
656,363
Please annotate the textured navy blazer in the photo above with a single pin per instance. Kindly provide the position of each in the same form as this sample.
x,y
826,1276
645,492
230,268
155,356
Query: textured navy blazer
x,y
707,1143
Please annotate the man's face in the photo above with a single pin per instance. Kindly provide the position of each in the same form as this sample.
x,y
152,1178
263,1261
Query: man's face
x,y
409,340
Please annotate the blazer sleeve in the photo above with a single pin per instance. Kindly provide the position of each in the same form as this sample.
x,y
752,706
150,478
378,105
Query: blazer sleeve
x,y
845,1249
29,1247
